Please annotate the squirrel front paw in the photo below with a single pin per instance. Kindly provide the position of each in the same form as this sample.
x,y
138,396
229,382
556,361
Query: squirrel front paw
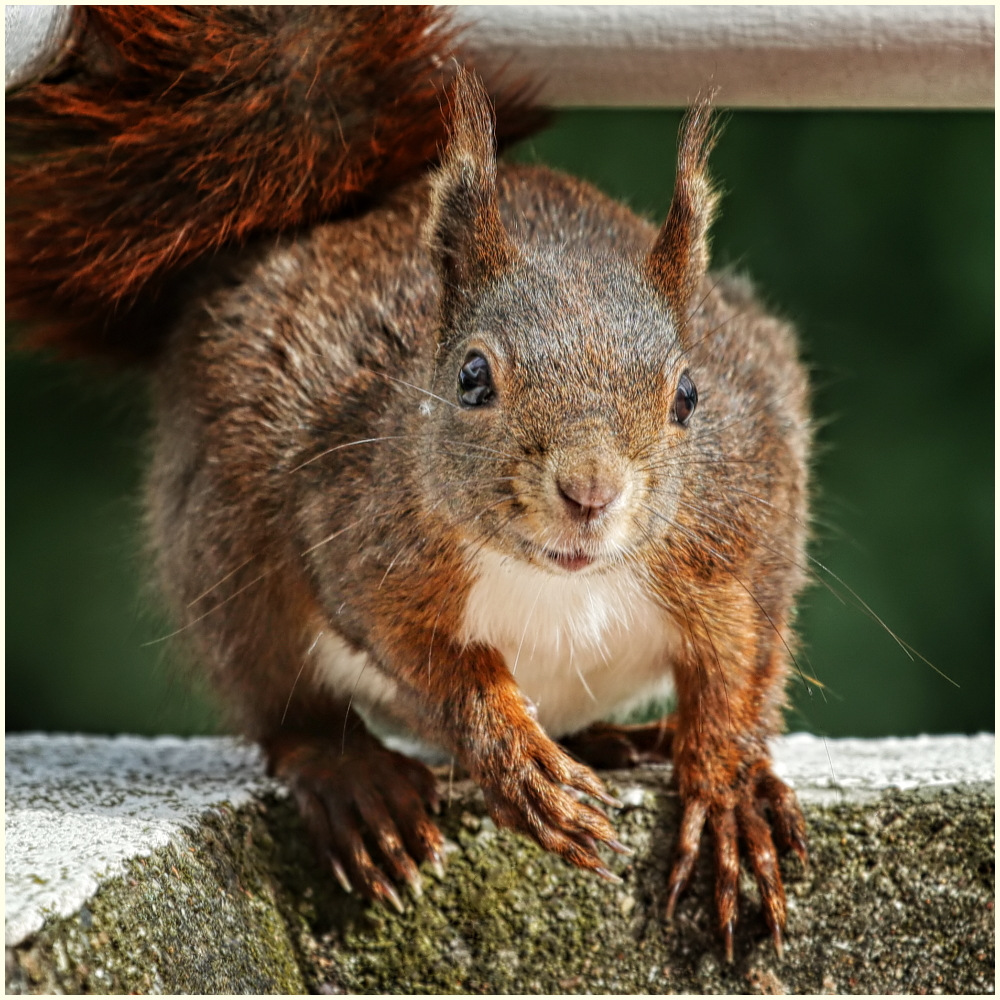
x,y
345,794
525,784
734,813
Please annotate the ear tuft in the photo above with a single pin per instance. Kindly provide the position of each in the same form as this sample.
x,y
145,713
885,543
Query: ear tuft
x,y
679,258
464,230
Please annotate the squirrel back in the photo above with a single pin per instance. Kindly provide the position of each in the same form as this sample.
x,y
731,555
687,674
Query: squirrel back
x,y
172,132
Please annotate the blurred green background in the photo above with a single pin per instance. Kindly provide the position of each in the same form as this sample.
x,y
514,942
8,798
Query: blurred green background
x,y
873,232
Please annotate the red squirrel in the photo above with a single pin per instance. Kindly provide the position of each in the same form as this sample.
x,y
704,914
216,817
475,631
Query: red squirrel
x,y
444,450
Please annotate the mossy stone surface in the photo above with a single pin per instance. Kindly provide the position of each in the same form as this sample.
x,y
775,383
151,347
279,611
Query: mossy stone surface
x,y
198,916
898,899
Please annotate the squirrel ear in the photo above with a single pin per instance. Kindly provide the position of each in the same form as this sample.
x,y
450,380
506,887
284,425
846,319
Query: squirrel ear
x,y
679,257
464,230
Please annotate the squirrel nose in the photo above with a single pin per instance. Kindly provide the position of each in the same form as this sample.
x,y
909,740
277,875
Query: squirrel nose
x,y
587,498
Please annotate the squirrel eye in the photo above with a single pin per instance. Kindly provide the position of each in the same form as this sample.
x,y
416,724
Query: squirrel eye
x,y
475,386
685,400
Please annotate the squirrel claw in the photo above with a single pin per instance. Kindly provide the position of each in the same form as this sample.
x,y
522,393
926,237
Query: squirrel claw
x,y
436,861
619,848
779,943
688,845
538,795
789,826
727,938
798,845
741,821
610,800
365,796
341,875
416,884
608,875
675,893
384,891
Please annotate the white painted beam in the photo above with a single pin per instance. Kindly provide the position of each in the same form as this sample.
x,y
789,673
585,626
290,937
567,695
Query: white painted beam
x,y
35,37
777,56
768,56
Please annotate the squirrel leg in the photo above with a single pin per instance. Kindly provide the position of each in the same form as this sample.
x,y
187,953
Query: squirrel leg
x,y
469,702
353,793
726,782
731,818
524,775
460,695
605,745
365,807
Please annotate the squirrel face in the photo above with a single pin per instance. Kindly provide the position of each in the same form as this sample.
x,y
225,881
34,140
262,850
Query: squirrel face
x,y
564,375
569,403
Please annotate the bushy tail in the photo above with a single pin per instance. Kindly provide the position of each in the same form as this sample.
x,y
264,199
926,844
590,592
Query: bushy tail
x,y
171,132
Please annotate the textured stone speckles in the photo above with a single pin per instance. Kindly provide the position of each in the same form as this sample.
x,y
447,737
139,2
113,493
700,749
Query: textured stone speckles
x,y
199,915
898,899
79,807
831,770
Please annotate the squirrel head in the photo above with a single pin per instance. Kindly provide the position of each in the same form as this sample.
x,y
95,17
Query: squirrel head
x,y
564,371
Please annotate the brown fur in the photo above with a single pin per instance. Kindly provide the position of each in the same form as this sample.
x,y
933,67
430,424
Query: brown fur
x,y
680,256
171,132
316,481
314,473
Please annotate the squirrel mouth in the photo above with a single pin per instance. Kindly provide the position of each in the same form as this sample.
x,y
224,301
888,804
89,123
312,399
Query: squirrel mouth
x,y
569,560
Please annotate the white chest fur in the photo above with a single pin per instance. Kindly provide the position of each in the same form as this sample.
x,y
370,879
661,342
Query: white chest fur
x,y
580,647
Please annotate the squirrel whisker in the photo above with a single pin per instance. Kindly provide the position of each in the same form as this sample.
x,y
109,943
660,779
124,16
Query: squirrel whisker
x,y
708,632
329,538
492,451
492,534
410,385
905,646
232,572
859,604
184,628
701,541
349,444
718,328
527,622
766,405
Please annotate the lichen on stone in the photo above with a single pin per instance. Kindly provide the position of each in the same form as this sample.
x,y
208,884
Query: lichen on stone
x,y
197,916
898,898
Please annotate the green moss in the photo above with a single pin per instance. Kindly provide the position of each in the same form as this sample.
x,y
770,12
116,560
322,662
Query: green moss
x,y
510,919
898,898
201,916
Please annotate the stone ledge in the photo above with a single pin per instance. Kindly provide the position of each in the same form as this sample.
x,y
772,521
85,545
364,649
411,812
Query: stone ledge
x,y
173,865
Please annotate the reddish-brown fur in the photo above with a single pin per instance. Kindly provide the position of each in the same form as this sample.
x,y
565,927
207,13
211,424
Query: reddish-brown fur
x,y
679,257
174,131
315,478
